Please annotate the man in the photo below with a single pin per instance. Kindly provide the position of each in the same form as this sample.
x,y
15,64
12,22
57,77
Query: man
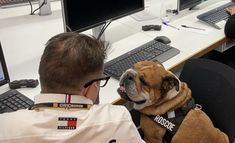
x,y
230,25
71,74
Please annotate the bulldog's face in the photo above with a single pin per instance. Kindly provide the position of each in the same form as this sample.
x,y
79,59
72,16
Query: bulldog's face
x,y
147,83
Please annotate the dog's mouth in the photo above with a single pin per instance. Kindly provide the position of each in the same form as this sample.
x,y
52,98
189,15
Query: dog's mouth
x,y
122,92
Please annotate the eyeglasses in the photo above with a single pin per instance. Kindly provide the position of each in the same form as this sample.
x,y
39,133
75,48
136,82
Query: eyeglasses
x,y
103,81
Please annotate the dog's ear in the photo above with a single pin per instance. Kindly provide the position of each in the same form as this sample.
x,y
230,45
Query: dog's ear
x,y
168,83
157,62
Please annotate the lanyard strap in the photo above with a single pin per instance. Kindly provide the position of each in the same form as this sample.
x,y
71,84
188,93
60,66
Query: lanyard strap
x,y
60,105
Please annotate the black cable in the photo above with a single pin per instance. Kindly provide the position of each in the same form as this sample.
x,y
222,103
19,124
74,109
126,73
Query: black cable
x,y
43,3
31,6
101,31
68,28
103,28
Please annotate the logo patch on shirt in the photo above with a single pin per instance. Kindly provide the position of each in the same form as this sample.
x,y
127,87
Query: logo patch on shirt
x,y
66,123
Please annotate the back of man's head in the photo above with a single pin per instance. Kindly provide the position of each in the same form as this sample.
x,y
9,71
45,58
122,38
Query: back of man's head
x,y
69,61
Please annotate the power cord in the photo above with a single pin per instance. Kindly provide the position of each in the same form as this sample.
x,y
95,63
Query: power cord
x,y
103,28
31,7
101,31
68,28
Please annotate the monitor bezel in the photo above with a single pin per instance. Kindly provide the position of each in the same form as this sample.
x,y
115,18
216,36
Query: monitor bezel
x,y
4,68
180,8
66,21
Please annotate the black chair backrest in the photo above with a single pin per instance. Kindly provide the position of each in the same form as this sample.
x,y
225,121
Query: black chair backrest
x,y
213,86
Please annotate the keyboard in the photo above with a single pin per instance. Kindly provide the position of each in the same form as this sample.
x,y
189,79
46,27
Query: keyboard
x,y
13,100
216,17
152,50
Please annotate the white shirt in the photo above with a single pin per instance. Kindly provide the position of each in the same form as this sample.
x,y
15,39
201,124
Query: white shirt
x,y
99,124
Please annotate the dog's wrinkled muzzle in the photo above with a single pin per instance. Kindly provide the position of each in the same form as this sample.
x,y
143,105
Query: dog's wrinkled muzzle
x,y
122,92
127,89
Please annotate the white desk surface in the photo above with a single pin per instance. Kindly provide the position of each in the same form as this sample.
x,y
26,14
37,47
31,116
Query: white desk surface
x,y
23,37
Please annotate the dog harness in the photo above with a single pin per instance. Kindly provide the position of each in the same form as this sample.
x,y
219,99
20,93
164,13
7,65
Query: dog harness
x,y
172,124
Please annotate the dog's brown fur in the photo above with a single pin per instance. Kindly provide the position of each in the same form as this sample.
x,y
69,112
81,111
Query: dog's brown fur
x,y
150,77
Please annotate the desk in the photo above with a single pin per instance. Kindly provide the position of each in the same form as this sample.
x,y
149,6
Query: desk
x,y
23,38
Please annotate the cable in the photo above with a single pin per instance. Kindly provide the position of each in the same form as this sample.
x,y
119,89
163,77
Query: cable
x,y
103,28
31,6
68,28
101,31
43,3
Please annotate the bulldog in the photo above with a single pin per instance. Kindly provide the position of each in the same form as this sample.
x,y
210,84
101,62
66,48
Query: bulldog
x,y
166,106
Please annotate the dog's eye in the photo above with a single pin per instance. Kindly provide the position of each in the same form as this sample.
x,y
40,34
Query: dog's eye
x,y
143,81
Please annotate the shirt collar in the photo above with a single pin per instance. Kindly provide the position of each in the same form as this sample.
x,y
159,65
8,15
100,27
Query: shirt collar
x,y
61,98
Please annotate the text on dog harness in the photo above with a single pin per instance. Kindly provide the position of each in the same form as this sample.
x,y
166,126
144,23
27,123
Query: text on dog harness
x,y
165,123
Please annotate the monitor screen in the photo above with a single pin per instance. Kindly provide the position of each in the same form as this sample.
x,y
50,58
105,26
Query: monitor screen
x,y
4,78
80,15
184,4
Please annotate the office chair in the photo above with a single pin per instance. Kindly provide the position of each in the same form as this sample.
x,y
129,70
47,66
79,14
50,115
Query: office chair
x,y
213,86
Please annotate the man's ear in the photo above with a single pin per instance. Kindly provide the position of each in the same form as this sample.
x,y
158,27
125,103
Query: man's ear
x,y
168,83
91,92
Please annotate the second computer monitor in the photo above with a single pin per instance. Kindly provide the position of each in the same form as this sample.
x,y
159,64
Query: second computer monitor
x,y
187,4
80,15
4,77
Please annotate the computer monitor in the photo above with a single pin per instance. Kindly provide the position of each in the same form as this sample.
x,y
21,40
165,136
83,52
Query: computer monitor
x,y
4,77
184,4
81,15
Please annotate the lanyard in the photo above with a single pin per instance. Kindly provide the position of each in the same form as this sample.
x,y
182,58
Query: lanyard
x,y
60,105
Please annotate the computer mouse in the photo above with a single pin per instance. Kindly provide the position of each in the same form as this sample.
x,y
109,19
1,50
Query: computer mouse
x,y
163,39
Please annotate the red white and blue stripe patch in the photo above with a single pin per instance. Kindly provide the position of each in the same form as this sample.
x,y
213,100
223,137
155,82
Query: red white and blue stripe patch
x,y
67,98
66,123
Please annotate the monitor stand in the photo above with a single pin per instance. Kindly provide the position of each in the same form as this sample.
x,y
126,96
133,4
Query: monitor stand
x,y
194,8
45,9
96,31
